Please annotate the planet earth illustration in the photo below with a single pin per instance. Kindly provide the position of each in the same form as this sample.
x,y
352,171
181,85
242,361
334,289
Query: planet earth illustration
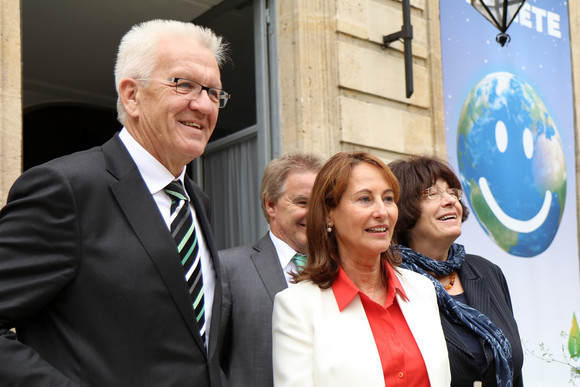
x,y
511,163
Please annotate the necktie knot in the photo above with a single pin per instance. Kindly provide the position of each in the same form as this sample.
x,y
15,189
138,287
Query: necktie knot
x,y
176,193
299,260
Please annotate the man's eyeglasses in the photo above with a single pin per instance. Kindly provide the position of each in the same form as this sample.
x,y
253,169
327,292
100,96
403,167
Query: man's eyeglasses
x,y
433,193
191,90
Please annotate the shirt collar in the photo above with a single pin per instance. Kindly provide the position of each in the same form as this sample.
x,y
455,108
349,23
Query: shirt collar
x,y
345,290
155,175
284,251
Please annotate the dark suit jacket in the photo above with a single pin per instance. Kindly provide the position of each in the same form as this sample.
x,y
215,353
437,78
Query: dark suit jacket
x,y
252,276
487,291
92,281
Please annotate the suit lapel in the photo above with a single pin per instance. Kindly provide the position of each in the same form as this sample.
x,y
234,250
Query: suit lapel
x,y
478,297
452,336
144,218
359,344
267,265
201,210
476,289
420,322
414,316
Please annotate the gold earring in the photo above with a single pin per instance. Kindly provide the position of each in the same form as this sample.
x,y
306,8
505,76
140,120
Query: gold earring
x,y
329,228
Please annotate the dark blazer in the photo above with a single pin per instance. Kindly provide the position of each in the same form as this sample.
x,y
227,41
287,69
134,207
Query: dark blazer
x,y
92,281
487,291
252,276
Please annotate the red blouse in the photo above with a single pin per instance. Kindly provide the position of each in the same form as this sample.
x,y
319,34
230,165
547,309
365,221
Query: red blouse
x,y
401,359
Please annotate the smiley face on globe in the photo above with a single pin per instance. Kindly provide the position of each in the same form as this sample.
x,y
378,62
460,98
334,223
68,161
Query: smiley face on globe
x,y
512,164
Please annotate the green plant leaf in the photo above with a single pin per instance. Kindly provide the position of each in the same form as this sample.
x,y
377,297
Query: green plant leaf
x,y
574,339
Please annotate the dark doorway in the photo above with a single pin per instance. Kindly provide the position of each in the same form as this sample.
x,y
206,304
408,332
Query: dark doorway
x,y
56,130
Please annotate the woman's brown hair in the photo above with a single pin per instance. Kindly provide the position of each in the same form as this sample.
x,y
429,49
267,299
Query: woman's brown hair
x,y
330,184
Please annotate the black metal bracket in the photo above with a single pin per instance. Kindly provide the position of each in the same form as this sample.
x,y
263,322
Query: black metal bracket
x,y
406,34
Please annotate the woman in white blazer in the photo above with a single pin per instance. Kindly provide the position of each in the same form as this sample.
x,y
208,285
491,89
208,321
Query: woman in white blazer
x,y
355,318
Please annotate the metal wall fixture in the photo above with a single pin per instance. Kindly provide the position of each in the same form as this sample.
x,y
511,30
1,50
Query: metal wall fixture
x,y
406,34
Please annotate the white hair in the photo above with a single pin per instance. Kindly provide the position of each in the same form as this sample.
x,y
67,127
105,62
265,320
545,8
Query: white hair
x,y
138,54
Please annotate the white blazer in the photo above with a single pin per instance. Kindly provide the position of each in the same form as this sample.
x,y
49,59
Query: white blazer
x,y
314,344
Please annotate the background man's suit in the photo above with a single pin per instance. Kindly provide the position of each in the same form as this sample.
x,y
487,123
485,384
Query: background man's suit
x,y
108,304
252,275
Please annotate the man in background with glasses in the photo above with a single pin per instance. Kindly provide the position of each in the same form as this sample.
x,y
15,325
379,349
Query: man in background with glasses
x,y
108,270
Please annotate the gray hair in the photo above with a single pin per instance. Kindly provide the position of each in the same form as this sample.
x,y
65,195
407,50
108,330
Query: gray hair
x,y
138,55
274,179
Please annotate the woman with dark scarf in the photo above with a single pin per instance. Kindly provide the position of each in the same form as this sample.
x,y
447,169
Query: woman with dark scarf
x,y
474,302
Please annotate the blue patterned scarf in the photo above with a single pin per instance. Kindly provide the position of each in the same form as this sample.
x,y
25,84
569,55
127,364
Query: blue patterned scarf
x,y
461,313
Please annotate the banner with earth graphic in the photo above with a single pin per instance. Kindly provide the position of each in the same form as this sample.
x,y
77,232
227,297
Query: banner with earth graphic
x,y
509,118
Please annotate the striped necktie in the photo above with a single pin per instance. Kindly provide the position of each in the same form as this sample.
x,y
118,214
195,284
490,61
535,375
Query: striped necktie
x,y
299,260
184,233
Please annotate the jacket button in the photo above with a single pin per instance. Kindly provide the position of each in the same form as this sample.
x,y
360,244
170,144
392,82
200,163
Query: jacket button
x,y
400,374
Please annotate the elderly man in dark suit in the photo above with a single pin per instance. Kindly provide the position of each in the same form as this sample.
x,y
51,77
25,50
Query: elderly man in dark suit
x,y
108,270
253,274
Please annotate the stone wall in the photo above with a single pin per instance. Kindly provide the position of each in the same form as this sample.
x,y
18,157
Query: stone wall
x,y
342,90
307,61
10,96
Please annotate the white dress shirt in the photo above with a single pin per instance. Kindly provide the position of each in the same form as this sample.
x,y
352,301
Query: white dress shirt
x,y
285,254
